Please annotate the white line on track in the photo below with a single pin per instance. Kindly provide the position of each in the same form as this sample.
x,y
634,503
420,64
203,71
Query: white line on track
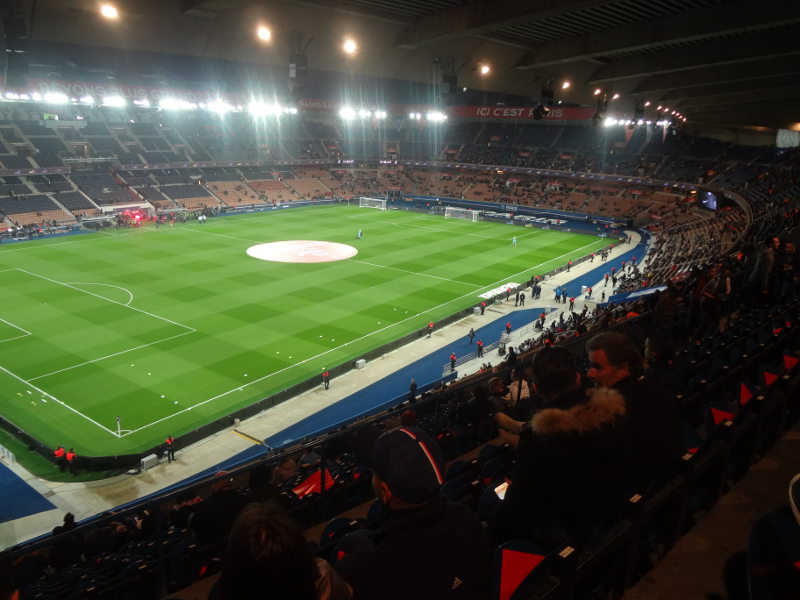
x,y
54,399
345,344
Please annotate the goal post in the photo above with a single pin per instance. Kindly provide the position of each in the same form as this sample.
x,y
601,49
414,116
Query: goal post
x,y
379,203
454,212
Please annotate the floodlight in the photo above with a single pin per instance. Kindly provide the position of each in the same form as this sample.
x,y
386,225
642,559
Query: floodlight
x,y
597,91
347,113
144,103
219,106
35,96
364,113
609,122
565,85
86,100
615,97
263,33
349,46
175,104
117,101
485,69
11,96
109,11
436,117
646,103
55,98
380,114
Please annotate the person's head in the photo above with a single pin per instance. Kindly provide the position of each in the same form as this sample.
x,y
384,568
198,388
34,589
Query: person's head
x,y
496,386
267,557
408,468
612,357
773,241
658,348
555,372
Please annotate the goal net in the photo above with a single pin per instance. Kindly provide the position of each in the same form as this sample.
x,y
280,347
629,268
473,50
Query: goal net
x,y
378,203
453,212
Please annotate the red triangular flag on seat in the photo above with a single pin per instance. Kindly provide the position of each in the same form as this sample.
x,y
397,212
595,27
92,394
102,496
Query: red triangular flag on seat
x,y
311,484
770,378
721,415
745,395
789,361
515,568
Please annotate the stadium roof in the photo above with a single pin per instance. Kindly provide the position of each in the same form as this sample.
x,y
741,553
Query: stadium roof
x,y
731,62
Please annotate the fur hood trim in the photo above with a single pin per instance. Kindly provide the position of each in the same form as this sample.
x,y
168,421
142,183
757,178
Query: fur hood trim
x,y
603,407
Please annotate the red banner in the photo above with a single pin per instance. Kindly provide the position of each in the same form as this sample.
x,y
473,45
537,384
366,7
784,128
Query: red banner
x,y
519,112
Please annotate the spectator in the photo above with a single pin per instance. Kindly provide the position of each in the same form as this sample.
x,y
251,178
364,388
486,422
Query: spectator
x,y
427,547
268,557
653,419
573,459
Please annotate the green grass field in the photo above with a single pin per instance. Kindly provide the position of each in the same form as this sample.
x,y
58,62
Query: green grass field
x,y
171,328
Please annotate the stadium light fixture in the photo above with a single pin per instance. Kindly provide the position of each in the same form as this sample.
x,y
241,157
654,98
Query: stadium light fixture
x,y
436,117
349,46
109,11
116,101
219,106
55,98
646,103
485,69
380,114
144,103
86,100
347,113
263,33
597,91
565,85
364,113
11,96
609,122
615,97
175,104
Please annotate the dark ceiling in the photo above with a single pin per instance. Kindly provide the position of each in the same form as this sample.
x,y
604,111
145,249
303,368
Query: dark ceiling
x,y
730,62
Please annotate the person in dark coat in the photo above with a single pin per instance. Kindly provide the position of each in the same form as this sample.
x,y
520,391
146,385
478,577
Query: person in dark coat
x,y
653,418
426,548
573,459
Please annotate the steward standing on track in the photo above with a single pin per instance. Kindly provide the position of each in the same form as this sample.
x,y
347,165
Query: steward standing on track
x,y
170,446
452,362
59,456
479,344
71,459
326,379
430,328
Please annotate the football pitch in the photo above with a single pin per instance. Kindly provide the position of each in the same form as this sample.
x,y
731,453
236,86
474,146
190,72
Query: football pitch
x,y
169,329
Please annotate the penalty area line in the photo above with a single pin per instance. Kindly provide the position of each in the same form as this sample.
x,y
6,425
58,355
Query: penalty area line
x,y
54,399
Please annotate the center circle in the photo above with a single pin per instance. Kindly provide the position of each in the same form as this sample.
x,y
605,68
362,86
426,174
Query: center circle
x,y
302,251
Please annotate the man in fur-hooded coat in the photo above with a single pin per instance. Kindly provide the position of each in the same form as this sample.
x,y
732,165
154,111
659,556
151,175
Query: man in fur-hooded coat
x,y
573,459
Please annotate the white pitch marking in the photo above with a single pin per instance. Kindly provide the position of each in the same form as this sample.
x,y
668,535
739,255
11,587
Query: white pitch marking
x,y
94,360
25,332
363,262
126,290
139,310
64,404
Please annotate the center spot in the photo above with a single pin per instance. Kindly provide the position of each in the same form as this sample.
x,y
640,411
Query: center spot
x,y
302,251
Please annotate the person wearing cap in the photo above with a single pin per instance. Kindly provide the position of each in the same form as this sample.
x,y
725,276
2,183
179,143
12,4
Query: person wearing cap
x,y
426,547
573,459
